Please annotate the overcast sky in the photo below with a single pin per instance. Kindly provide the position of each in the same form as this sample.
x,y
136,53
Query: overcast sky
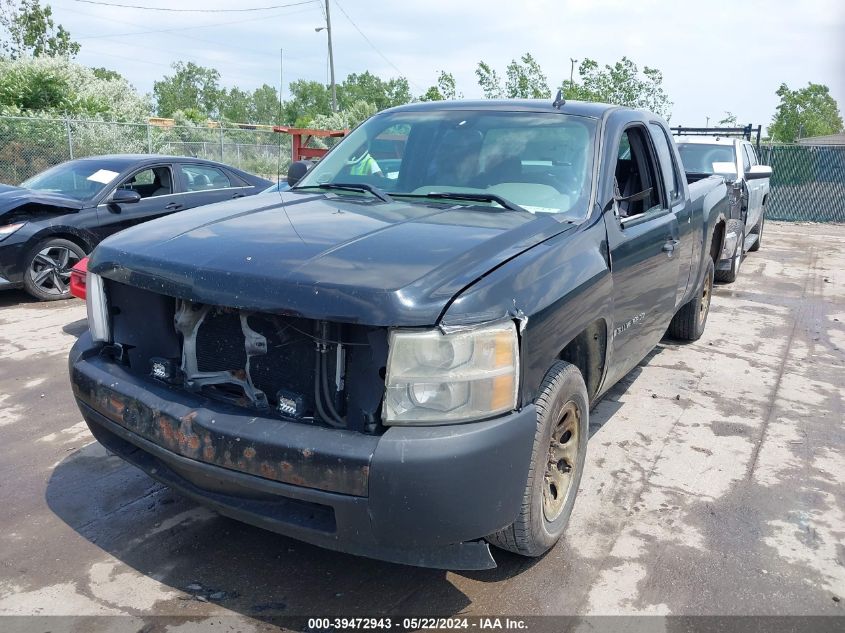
x,y
715,56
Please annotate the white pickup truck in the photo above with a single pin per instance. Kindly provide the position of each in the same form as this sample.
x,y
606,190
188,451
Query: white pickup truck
x,y
736,160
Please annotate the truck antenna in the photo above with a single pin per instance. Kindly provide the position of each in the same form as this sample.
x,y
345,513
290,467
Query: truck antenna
x,y
559,100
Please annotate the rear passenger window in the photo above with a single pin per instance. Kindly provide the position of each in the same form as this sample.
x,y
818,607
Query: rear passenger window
x,y
667,164
203,177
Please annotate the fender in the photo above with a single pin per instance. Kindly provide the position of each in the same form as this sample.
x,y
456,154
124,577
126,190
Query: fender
x,y
555,290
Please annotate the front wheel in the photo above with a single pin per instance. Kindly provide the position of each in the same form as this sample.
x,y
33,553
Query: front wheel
x,y
560,447
47,274
688,323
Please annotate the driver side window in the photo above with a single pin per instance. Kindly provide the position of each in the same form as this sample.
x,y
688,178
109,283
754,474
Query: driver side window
x,y
637,186
150,182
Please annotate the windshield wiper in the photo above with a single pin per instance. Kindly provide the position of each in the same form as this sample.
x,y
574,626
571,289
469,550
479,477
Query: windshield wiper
x,y
350,186
470,196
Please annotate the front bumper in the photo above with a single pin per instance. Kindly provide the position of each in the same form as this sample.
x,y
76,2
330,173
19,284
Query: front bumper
x,y
422,496
12,254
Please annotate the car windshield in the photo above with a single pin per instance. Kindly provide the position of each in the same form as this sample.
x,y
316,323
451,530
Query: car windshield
x,y
82,179
540,162
702,158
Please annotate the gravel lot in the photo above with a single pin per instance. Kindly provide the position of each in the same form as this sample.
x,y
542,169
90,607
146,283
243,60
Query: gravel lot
x,y
714,485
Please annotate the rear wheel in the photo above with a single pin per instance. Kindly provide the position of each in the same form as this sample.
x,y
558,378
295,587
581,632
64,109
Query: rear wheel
x,y
560,445
758,231
688,324
47,274
730,275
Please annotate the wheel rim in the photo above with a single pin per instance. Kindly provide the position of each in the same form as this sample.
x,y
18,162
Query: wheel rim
x,y
562,461
704,306
49,270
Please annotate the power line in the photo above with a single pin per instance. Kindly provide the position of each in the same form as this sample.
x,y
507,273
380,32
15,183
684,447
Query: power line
x,y
180,28
169,10
373,46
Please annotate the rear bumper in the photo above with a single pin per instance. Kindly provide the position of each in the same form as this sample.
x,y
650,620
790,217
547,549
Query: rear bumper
x,y
421,496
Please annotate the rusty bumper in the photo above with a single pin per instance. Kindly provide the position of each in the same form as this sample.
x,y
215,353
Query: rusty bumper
x,y
421,496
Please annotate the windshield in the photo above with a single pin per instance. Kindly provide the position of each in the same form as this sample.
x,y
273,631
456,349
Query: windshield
x,y
82,180
540,162
701,158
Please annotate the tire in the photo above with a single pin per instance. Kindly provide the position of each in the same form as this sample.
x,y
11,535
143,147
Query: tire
x,y
729,276
562,412
47,273
758,231
689,322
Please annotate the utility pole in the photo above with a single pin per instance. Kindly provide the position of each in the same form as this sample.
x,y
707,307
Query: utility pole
x,y
331,56
708,121
572,72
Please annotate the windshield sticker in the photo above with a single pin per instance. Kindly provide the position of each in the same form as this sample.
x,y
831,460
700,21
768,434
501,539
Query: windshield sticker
x,y
540,209
722,168
103,176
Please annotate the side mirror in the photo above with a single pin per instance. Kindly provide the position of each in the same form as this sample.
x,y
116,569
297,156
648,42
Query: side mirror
x,y
125,196
297,170
758,171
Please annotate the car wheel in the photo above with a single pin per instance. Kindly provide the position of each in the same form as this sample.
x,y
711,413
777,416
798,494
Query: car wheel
x,y
47,274
729,276
688,323
758,230
560,446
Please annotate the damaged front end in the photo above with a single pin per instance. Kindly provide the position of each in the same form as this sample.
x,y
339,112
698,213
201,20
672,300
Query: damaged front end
x,y
303,370
288,423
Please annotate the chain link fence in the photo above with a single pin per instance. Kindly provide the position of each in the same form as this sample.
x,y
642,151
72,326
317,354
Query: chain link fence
x,y
30,145
808,182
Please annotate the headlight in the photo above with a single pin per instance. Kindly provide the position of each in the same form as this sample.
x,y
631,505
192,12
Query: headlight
x,y
98,308
436,378
8,229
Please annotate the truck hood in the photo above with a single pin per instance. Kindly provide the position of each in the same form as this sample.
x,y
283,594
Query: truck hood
x,y
12,198
325,257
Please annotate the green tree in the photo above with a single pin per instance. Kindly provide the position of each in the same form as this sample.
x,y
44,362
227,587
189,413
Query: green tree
x,y
729,120
345,119
525,79
105,73
488,79
190,88
372,89
308,99
446,88
59,87
808,111
265,105
236,106
28,29
620,84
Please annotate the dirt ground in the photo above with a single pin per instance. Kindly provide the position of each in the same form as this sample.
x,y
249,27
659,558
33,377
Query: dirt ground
x,y
714,485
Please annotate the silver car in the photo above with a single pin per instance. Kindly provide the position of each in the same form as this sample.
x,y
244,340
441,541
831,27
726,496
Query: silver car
x,y
736,160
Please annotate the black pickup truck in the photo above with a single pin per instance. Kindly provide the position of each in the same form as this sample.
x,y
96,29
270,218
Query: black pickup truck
x,y
397,357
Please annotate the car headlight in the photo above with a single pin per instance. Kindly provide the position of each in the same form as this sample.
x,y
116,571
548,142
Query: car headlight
x,y
8,229
98,308
436,378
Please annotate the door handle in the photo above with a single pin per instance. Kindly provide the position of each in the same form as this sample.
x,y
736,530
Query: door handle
x,y
173,206
239,195
669,247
